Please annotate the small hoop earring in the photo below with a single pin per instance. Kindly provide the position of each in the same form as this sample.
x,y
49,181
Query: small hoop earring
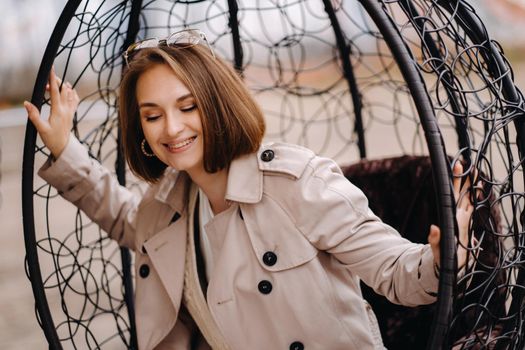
x,y
143,148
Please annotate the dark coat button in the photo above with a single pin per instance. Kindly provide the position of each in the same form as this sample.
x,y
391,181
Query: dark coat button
x,y
296,345
269,258
267,155
265,287
144,270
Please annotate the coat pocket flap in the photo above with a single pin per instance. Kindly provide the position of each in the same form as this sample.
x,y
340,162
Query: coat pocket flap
x,y
275,239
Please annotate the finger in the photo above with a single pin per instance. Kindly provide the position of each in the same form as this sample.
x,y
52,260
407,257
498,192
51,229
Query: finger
x,y
462,248
475,175
53,87
434,235
34,116
434,238
75,93
466,202
72,98
471,178
457,171
458,168
65,91
465,198
76,98
466,185
464,230
479,190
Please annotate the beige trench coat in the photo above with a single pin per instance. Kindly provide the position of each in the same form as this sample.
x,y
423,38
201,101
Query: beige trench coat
x,y
288,253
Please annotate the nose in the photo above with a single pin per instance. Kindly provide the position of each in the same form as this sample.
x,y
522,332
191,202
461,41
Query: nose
x,y
174,125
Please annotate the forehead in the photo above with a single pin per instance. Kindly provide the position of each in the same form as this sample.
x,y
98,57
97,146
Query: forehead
x,y
159,83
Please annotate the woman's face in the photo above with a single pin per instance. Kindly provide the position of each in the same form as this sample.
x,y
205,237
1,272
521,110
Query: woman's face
x,y
170,119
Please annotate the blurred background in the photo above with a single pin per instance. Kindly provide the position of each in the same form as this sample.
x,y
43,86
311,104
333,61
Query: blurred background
x,y
26,26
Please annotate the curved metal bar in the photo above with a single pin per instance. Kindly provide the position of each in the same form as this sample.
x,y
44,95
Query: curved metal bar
x,y
37,98
440,169
344,51
120,168
233,23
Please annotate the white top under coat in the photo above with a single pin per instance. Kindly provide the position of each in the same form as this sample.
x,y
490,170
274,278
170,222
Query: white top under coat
x,y
205,215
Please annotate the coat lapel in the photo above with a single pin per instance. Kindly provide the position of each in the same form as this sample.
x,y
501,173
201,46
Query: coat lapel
x,y
167,248
167,251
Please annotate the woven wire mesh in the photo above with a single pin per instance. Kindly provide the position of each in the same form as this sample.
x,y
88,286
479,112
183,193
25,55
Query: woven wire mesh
x,y
291,62
477,105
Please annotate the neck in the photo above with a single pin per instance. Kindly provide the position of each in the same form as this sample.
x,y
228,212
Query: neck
x,y
214,186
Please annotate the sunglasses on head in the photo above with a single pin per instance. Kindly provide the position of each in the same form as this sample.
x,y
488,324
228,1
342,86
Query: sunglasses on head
x,y
182,39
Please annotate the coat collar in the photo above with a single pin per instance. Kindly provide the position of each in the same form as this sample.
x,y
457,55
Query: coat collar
x,y
245,183
171,190
245,175
245,180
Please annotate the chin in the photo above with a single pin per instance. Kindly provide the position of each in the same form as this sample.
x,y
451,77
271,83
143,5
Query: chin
x,y
185,166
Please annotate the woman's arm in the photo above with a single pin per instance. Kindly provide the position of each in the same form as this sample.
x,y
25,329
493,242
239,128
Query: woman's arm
x,y
335,217
78,178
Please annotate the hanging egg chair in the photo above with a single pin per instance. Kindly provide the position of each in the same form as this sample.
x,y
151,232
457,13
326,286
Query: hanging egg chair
x,y
396,91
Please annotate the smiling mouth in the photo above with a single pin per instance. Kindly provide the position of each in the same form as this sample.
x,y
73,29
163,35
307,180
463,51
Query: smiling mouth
x,y
180,145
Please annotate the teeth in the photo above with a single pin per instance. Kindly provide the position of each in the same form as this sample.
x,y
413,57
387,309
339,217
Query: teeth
x,y
181,144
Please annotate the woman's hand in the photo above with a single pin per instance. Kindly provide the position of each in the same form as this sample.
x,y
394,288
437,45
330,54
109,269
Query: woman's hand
x,y
464,210
64,102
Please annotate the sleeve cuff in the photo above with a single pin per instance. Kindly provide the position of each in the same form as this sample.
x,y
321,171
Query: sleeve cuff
x,y
427,275
69,172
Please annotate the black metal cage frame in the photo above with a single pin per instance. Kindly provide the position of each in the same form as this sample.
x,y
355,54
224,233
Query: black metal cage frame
x,y
437,28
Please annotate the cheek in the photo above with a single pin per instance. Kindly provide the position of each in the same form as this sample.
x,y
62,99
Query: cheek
x,y
196,121
149,130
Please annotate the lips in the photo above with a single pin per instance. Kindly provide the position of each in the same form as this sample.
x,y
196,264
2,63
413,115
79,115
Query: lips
x,y
180,145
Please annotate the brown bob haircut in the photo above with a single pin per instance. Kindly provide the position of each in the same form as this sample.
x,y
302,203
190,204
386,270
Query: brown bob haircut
x,y
232,122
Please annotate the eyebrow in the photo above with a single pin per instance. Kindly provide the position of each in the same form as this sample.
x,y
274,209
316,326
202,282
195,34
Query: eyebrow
x,y
152,104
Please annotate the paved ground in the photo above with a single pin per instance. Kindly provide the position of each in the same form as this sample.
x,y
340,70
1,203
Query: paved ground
x,y
18,326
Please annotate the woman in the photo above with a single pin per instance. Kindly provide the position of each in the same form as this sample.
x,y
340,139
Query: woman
x,y
237,245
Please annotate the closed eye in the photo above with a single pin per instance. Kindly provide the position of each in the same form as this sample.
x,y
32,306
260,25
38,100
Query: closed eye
x,y
188,108
150,118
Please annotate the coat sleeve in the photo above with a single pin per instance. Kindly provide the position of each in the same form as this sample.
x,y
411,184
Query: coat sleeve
x,y
335,217
92,188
